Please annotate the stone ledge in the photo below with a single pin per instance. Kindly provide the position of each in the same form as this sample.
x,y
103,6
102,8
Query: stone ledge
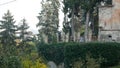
x,y
110,30
100,6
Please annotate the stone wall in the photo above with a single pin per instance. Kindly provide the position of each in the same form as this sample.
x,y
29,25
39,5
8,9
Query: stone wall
x,y
109,22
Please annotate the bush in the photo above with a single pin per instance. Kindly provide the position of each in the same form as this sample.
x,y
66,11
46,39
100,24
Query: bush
x,y
10,62
2,62
52,52
14,62
27,63
105,54
29,56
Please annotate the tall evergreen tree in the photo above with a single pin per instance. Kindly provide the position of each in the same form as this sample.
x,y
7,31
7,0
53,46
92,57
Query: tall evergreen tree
x,y
7,34
23,29
8,28
48,20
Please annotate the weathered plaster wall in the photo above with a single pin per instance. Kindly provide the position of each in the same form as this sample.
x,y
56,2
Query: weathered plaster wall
x,y
109,21
105,17
116,14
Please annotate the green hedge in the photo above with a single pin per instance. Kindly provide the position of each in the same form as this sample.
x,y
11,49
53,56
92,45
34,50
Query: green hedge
x,y
52,52
106,54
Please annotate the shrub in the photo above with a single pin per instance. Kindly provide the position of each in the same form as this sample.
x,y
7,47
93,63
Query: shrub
x,y
10,62
104,54
27,63
14,62
52,52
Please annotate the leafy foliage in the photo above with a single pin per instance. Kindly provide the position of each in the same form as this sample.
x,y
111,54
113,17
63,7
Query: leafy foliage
x,y
107,54
11,54
76,4
104,54
10,62
33,64
52,52
29,56
75,7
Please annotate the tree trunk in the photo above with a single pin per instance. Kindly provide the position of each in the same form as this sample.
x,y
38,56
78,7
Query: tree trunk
x,y
86,26
72,25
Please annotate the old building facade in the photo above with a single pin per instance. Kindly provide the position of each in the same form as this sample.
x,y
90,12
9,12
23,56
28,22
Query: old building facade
x,y
109,21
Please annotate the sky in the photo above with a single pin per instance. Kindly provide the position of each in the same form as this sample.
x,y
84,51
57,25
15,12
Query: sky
x,y
27,9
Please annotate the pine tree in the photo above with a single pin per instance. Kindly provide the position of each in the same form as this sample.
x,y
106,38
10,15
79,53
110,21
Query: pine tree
x,y
23,29
8,27
48,20
7,34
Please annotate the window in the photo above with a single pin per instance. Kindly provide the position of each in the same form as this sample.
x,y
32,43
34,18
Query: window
x,y
108,2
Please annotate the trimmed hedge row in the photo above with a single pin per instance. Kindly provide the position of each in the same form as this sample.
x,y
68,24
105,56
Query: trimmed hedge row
x,y
106,54
52,52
